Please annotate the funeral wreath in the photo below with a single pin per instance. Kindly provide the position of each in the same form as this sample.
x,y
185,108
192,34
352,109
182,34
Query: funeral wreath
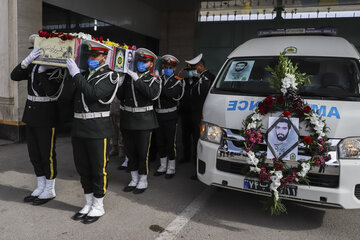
x,y
286,79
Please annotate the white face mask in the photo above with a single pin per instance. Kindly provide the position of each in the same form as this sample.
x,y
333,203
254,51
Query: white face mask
x,y
193,73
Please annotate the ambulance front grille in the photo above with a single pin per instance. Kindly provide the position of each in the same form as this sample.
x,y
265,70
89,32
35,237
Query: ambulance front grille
x,y
357,191
232,158
319,180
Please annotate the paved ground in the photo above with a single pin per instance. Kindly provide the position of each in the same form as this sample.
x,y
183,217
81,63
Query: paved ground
x,y
185,208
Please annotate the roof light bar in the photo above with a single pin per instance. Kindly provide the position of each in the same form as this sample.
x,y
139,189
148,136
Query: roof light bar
x,y
330,31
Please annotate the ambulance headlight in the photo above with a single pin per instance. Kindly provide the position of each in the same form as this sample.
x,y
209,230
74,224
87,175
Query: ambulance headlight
x,y
210,132
349,148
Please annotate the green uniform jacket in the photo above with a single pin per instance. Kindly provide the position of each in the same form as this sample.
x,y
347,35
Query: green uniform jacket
x,y
92,91
39,114
139,93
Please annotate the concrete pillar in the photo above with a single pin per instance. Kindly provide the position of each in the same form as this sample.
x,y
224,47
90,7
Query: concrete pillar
x,y
178,34
18,19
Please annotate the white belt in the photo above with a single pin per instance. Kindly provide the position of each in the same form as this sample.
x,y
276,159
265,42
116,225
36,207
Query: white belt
x,y
165,110
40,99
136,109
91,115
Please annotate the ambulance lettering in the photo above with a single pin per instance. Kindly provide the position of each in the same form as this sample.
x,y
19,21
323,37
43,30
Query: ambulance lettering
x,y
243,105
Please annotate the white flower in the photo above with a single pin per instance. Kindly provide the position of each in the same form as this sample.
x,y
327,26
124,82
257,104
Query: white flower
x,y
255,169
256,117
321,135
279,174
251,154
251,125
283,90
305,166
276,195
290,76
254,160
289,81
305,169
275,182
84,36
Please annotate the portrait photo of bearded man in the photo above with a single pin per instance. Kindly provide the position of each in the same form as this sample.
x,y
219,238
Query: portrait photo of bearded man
x,y
283,138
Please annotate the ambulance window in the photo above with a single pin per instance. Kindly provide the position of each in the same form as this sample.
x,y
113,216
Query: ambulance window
x,y
331,78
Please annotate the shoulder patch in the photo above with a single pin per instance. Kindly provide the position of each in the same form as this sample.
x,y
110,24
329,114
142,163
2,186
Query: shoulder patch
x,y
154,75
178,78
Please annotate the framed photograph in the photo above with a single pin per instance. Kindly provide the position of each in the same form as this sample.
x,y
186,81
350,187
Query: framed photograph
x,y
119,60
54,51
81,53
283,138
239,71
129,60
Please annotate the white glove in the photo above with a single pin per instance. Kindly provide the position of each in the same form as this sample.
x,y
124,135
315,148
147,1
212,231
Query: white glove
x,y
30,58
73,68
133,75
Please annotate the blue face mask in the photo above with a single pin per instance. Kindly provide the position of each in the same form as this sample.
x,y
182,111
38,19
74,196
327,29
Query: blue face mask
x,y
93,64
141,66
168,72
190,74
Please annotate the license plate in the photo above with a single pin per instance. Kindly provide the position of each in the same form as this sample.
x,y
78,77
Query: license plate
x,y
265,187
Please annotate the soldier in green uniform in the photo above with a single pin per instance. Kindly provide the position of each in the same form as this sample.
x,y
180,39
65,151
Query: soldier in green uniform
x,y
137,117
166,111
92,127
40,115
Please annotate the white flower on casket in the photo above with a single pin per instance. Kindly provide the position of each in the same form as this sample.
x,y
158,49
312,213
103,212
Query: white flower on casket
x,y
84,36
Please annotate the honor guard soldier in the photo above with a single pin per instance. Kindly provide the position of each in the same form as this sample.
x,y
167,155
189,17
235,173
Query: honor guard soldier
x,y
138,118
92,127
198,90
172,91
40,115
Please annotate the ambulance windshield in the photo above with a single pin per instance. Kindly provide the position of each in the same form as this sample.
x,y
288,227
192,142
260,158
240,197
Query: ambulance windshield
x,y
337,78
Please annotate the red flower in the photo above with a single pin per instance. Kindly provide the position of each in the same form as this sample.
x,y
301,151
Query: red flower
x,y
269,99
307,109
286,113
280,99
308,140
262,109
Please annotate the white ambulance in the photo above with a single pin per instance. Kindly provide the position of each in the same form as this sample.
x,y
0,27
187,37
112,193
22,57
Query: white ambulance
x,y
333,66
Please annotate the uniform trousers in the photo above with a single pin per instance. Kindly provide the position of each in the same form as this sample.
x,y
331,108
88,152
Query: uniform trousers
x,y
91,156
165,137
137,146
190,136
41,148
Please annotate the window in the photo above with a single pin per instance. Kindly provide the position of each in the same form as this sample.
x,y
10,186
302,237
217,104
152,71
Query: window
x,y
330,77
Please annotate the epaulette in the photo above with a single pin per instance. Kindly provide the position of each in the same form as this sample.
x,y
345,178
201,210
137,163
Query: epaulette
x,y
154,75
178,78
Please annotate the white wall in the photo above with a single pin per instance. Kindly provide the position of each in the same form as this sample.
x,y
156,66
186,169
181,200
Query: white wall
x,y
129,14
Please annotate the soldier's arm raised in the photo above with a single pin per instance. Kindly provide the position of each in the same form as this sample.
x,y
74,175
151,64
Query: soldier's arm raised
x,y
19,73
174,91
151,89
